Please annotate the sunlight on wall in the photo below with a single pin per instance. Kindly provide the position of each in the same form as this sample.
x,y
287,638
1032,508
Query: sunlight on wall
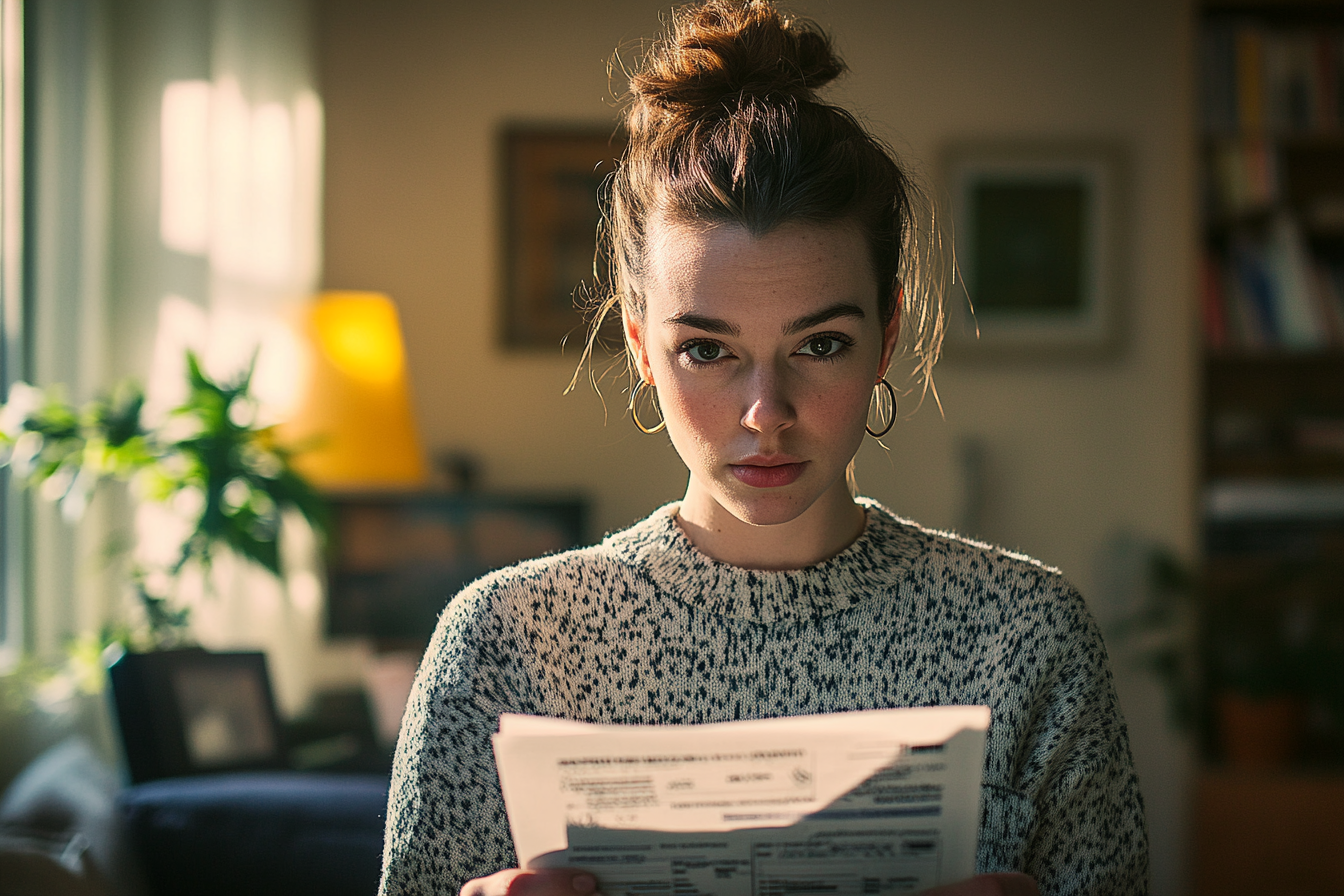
x,y
226,340
241,183
252,206
240,187
184,136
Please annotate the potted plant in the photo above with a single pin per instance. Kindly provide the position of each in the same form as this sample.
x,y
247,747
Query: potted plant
x,y
209,455
1251,651
1159,634
1266,657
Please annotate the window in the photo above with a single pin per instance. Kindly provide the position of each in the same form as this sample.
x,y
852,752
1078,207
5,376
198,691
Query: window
x,y
12,529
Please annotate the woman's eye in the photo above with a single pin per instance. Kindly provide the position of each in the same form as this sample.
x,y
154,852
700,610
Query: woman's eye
x,y
822,346
704,351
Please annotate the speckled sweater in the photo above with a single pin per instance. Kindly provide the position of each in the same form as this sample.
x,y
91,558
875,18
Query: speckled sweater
x,y
643,629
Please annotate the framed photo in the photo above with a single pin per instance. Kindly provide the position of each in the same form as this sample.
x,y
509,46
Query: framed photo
x,y
190,711
551,183
1039,243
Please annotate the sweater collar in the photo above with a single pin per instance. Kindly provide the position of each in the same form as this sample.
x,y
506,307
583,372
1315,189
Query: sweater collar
x,y
878,560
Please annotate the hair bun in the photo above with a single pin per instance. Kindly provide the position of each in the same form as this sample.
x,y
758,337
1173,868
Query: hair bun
x,y
731,48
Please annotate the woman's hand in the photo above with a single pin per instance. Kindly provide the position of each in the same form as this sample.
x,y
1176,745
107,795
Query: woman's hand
x,y
542,882
1001,884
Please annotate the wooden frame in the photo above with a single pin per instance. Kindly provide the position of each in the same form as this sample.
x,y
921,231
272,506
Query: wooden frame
x,y
551,182
1039,242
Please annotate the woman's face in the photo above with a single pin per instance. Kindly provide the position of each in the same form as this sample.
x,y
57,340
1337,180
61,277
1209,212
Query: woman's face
x,y
764,352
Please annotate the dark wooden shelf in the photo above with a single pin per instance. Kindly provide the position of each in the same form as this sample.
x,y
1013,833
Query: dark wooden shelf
x,y
1278,13
1275,466
1296,361
1221,229
1280,384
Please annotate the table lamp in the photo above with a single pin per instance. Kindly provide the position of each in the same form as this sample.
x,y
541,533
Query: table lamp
x,y
354,428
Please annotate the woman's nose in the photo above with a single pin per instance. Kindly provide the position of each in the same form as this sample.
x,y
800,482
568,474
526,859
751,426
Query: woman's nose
x,y
768,408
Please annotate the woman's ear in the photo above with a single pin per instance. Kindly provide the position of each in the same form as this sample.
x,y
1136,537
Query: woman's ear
x,y
891,335
634,344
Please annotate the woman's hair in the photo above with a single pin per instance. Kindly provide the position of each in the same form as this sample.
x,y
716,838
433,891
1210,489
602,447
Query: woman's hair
x,y
725,127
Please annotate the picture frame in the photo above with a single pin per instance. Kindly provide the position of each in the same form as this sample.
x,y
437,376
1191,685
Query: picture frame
x,y
552,177
192,711
1038,230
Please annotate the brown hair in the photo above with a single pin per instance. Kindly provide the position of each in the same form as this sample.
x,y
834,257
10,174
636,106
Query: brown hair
x,y
725,126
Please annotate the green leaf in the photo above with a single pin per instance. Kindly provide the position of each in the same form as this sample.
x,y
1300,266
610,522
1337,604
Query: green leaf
x,y
202,447
116,417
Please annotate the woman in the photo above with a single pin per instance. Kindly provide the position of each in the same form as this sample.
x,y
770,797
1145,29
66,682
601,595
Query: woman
x,y
764,259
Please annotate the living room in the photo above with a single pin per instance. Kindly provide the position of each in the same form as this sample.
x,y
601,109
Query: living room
x,y
401,122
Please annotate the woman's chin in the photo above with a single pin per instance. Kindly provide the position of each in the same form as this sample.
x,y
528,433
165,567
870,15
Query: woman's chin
x,y
767,507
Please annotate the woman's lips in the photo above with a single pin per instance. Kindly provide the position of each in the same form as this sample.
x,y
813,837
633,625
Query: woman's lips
x,y
767,475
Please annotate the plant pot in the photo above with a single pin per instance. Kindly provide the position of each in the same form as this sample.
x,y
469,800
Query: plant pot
x,y
1261,732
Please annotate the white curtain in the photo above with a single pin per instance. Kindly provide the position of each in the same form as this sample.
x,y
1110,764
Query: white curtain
x,y
13,514
67,232
177,178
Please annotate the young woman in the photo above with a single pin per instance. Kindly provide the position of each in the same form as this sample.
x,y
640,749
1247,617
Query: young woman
x,y
765,261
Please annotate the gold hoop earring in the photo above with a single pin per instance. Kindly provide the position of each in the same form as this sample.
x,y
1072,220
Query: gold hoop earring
x,y
634,411
891,402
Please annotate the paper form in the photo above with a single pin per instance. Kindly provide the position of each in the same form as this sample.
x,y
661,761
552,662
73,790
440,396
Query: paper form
x,y
865,803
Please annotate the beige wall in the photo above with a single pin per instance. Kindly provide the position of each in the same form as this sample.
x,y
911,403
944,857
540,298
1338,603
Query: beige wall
x,y
415,96
1076,452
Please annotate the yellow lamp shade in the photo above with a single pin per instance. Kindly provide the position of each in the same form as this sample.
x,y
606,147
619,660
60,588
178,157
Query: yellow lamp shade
x,y
354,425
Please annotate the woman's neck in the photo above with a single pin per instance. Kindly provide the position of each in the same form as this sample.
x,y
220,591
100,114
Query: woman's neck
x,y
830,525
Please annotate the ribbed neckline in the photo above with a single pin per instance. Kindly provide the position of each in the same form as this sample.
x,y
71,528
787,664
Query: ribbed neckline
x,y
878,560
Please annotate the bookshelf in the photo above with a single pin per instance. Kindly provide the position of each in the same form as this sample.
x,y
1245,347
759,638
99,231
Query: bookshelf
x,y
1272,304
1272,162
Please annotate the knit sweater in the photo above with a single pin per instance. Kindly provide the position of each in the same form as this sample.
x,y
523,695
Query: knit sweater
x,y
645,629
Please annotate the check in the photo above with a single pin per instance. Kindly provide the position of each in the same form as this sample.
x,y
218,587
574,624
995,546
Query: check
x,y
870,802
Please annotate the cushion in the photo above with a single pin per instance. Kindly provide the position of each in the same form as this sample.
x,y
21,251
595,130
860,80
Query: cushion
x,y
59,832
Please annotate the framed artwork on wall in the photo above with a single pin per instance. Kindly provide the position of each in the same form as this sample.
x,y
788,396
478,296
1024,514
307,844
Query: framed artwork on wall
x,y
551,181
192,711
1039,243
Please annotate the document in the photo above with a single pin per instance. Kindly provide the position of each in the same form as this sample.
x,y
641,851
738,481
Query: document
x,y
865,803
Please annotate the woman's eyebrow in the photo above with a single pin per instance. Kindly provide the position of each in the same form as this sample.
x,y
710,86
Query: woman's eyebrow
x,y
708,324
839,309
724,328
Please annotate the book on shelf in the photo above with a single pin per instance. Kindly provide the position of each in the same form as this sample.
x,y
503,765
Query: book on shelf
x,y
1271,293
1245,176
1258,77
1213,304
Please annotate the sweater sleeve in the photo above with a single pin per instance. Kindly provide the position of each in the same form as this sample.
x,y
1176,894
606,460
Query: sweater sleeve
x,y
1081,825
446,821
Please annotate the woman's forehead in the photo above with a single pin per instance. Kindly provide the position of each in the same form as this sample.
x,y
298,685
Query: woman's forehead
x,y
725,270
